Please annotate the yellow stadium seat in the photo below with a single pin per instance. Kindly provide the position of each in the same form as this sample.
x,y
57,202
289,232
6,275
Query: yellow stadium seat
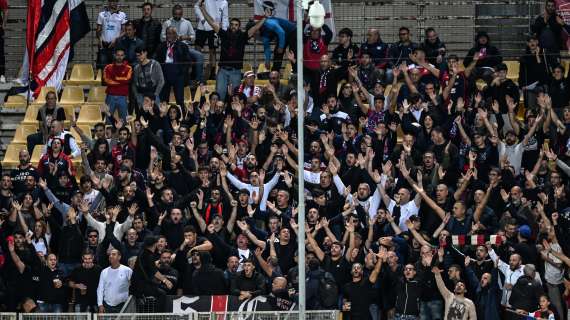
x,y
76,135
89,115
72,95
262,68
287,71
247,67
12,155
211,82
31,114
99,77
37,154
521,111
97,94
187,95
566,65
69,114
198,94
42,96
261,83
399,135
82,75
339,86
513,70
15,101
22,133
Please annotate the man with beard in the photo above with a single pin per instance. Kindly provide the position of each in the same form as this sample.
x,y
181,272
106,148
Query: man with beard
x,y
166,269
512,272
487,292
207,279
457,307
510,148
123,146
23,170
331,117
84,281
255,178
357,293
233,42
334,262
21,262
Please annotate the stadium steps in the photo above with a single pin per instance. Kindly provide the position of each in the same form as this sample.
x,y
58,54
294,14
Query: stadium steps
x,y
10,120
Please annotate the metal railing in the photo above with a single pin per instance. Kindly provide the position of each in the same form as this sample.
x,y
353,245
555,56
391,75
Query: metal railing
x,y
54,316
230,315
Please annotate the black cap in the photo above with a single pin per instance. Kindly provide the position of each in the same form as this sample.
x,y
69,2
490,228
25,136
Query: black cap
x,y
125,168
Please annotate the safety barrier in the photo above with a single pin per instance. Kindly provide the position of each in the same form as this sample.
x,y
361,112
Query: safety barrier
x,y
230,315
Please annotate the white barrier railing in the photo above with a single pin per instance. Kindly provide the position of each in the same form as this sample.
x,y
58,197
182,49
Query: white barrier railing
x,y
54,316
230,315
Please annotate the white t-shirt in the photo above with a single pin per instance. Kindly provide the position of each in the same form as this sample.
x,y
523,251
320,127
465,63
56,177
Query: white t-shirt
x,y
114,285
552,274
111,24
406,211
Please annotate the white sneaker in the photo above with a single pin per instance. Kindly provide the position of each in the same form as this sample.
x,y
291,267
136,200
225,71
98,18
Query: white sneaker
x,y
2,79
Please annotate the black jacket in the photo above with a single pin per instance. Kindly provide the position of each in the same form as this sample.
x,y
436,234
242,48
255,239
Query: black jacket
x,y
255,284
408,294
208,280
525,294
181,57
70,245
149,33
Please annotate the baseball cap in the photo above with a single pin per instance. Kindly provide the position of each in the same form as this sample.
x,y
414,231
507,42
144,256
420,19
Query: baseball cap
x,y
525,231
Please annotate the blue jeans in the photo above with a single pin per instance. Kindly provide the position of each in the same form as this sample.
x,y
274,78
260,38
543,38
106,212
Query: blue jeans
x,y
119,102
374,311
197,64
431,310
50,307
224,77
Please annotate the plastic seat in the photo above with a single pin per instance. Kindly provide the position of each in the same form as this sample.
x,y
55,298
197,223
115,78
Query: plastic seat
x,y
89,115
82,75
12,155
198,94
69,115
31,114
72,95
15,101
42,96
97,94
37,154
22,133
287,71
246,67
99,78
566,65
513,70
262,69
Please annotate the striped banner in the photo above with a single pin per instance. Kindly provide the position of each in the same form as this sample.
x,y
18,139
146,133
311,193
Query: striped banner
x,y
476,240
48,42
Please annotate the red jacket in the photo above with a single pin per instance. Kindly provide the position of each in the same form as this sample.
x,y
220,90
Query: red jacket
x,y
117,78
62,161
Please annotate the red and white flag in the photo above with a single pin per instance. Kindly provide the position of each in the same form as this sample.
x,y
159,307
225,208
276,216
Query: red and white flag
x,y
47,42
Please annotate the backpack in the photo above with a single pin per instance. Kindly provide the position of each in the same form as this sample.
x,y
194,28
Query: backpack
x,y
328,291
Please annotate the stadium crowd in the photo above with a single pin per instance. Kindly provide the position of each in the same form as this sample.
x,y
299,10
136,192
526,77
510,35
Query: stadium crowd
x,y
429,194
